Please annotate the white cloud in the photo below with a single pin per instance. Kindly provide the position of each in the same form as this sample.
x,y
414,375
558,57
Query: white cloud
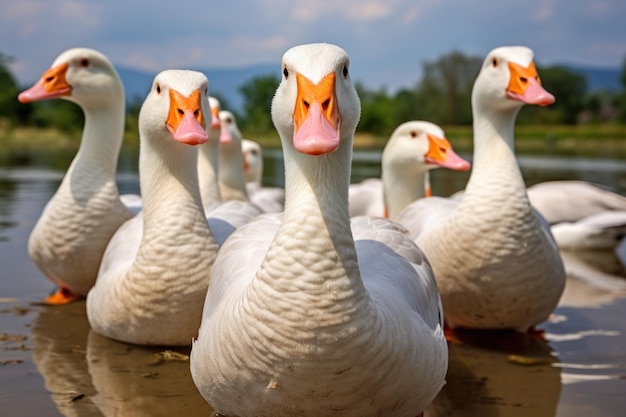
x,y
544,11
387,38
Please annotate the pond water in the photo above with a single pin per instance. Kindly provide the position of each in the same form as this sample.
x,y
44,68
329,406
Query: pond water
x,y
51,364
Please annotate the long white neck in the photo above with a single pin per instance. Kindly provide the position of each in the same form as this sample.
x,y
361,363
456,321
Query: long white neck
x,y
231,175
495,168
315,232
169,186
100,146
401,189
208,167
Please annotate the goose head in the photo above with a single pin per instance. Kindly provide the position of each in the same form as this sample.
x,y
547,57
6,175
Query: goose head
x,y
316,108
83,76
508,79
176,107
230,135
252,160
418,146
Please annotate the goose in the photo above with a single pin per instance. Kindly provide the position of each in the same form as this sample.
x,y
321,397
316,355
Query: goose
x,y
308,313
232,179
496,263
252,162
208,159
269,199
230,207
155,271
413,149
582,215
573,200
71,235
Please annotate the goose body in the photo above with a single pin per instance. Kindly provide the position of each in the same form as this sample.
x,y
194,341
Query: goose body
x,y
70,237
582,215
571,201
496,263
152,281
304,316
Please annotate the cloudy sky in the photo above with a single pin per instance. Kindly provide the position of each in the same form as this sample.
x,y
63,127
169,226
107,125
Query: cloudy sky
x,y
386,39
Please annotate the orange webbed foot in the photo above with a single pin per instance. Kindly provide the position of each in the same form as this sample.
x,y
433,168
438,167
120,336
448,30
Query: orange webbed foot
x,y
60,297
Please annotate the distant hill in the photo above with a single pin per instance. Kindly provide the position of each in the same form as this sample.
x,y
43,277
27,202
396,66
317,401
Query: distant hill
x,y
225,81
598,78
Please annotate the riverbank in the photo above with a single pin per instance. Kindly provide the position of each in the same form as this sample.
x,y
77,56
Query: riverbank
x,y
607,140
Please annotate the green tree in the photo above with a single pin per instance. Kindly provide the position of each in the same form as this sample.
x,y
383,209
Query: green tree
x,y
569,88
622,101
63,115
257,102
9,106
377,111
448,83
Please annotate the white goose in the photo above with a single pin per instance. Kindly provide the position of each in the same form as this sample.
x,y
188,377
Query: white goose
x,y
232,179
413,149
496,264
571,201
306,316
155,271
582,215
71,235
252,162
208,159
269,199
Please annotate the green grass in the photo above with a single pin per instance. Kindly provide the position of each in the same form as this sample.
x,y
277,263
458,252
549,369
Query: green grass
x,y
606,140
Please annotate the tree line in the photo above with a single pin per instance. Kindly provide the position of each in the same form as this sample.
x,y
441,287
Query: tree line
x,y
442,96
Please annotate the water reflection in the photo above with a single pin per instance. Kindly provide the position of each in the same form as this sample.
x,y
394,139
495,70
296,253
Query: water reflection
x,y
92,376
595,278
139,381
499,374
59,337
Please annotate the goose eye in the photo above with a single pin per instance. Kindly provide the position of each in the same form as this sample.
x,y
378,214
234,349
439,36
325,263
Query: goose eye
x,y
345,71
413,134
206,91
285,72
494,62
158,89
84,62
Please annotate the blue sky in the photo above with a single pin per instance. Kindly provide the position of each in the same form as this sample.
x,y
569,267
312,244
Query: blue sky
x,y
387,39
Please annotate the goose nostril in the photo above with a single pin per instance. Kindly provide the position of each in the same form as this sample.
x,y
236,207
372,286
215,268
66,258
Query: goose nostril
x,y
325,104
523,79
180,111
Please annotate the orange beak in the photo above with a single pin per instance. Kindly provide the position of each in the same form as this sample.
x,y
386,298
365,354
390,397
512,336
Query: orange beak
x,y
186,119
440,153
52,84
315,116
525,86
